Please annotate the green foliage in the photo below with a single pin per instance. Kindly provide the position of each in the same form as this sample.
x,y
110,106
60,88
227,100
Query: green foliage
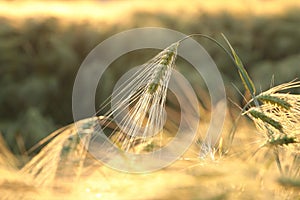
x,y
29,128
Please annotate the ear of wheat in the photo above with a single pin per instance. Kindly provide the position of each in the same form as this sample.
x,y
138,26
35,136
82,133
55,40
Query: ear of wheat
x,y
282,111
276,115
144,97
140,104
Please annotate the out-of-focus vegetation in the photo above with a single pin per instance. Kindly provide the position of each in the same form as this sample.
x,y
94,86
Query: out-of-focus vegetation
x,y
39,59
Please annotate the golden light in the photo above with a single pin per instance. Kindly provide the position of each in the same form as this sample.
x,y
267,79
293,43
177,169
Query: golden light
x,y
118,10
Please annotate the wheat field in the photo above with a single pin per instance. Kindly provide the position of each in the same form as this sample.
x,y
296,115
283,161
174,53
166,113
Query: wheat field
x,y
250,164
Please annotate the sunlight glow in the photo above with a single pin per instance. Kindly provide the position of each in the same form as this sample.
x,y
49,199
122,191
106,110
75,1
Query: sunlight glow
x,y
119,10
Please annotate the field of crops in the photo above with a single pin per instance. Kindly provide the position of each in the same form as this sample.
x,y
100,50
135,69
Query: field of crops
x,y
43,44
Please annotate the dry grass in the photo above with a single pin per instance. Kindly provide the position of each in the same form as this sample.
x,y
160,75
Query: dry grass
x,y
236,175
63,170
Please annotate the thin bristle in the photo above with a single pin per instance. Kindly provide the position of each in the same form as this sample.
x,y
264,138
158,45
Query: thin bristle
x,y
284,86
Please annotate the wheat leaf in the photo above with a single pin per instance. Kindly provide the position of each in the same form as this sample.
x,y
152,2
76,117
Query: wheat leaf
x,y
248,83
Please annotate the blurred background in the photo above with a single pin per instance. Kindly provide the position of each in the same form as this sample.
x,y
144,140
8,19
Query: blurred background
x,y
43,43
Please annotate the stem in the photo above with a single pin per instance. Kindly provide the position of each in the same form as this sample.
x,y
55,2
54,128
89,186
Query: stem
x,y
232,132
278,161
253,96
214,41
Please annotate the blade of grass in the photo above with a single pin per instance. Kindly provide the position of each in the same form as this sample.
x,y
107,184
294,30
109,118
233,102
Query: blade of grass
x,y
248,83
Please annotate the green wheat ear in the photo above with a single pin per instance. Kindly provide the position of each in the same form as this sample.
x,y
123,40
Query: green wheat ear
x,y
276,101
282,140
248,83
259,115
